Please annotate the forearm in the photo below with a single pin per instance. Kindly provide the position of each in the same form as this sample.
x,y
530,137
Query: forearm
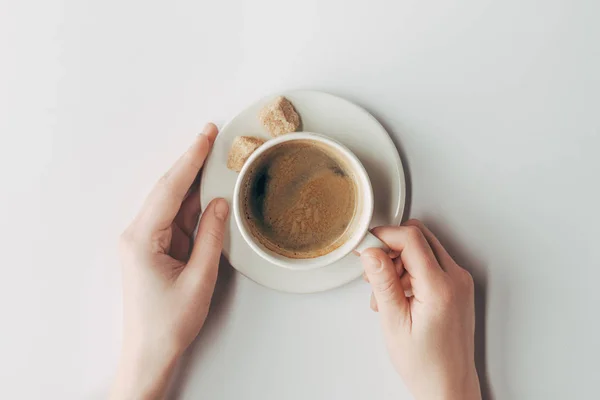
x,y
445,386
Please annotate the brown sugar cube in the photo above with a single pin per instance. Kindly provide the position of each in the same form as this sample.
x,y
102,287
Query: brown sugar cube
x,y
279,117
240,150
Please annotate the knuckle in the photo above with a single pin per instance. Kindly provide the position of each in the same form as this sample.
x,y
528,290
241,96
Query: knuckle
x,y
213,237
129,242
446,293
386,289
413,233
467,279
161,240
126,238
415,222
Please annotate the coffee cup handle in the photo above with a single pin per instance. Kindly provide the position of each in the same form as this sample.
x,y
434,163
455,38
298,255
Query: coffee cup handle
x,y
371,241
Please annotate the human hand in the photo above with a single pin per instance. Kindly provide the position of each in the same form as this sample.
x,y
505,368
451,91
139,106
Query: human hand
x,y
168,280
430,336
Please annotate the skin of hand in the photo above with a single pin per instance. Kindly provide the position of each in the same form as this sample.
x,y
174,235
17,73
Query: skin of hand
x,y
430,336
168,279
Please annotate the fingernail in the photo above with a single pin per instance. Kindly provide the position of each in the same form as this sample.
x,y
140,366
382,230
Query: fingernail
x,y
373,303
372,264
205,129
221,209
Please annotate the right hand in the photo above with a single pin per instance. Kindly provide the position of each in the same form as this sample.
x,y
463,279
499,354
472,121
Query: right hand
x,y
430,336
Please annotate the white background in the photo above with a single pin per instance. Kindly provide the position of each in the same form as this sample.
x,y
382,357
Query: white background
x,y
494,106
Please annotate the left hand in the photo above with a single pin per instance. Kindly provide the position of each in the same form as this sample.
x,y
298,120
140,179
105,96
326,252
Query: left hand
x,y
168,280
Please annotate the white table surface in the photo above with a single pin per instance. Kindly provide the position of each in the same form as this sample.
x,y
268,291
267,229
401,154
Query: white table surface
x,y
495,108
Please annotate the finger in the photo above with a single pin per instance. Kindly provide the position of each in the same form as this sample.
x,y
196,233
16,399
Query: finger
x,y
404,281
211,131
445,260
406,285
385,283
399,266
373,304
404,277
204,260
394,255
416,254
164,201
187,217
180,244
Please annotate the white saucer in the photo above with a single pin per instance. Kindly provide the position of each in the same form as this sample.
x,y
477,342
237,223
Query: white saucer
x,y
341,120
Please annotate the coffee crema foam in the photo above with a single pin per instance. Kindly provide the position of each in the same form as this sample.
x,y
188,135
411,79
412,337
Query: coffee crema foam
x,y
300,199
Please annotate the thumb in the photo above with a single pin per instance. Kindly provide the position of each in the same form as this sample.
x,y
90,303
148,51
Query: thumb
x,y
384,279
202,268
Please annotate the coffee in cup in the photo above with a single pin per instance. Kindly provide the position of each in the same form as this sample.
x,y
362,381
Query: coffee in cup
x,y
299,199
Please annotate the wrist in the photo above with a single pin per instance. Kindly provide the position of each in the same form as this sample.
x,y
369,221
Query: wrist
x,y
143,373
467,389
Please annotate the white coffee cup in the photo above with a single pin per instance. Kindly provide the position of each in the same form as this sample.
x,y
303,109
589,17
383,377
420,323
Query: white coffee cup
x,y
358,240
